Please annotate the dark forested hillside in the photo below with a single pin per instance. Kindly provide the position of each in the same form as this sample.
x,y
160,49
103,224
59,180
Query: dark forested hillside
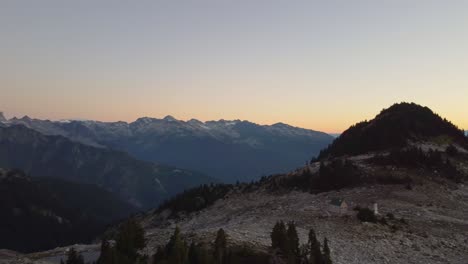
x,y
393,128
42,213
141,183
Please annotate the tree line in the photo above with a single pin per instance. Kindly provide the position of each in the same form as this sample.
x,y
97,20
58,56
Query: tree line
x,y
286,245
415,157
332,175
125,249
285,249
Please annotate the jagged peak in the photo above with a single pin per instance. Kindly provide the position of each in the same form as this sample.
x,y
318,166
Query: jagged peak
x,y
222,120
145,119
2,117
26,118
169,118
195,121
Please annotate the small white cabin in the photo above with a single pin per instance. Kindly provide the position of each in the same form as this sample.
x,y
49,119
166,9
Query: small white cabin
x,y
339,205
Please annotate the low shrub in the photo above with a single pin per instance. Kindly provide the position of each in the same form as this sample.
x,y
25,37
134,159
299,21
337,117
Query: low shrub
x,y
366,215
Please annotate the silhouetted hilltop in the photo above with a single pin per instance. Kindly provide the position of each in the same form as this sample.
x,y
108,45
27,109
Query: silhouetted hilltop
x,y
394,127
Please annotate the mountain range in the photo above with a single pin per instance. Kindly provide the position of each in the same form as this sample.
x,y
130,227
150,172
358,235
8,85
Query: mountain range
x,y
141,183
226,150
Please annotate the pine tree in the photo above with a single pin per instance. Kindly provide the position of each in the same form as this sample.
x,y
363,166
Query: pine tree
x,y
326,252
107,253
204,256
130,239
176,248
293,253
279,237
220,247
74,258
314,248
193,254
304,254
159,256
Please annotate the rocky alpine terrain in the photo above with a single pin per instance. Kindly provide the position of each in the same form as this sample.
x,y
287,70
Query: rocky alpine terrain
x,y
435,228
422,208
429,223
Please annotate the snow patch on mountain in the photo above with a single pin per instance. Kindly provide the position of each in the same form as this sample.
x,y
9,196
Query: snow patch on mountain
x,y
228,149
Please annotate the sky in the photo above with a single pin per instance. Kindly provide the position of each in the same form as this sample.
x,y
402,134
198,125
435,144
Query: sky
x,y
323,65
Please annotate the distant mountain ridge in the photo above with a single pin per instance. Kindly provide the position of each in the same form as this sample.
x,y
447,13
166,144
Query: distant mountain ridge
x,y
143,184
228,150
394,127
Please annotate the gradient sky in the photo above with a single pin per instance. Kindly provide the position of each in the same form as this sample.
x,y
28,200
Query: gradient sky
x,y
322,65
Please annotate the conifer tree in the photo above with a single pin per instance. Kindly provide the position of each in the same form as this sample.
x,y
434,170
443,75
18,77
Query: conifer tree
x,y
279,237
193,254
326,252
74,258
107,253
204,256
292,244
314,248
220,247
176,248
159,256
129,240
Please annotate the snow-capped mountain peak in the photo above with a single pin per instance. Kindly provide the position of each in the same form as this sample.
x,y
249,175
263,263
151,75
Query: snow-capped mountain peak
x,y
170,118
202,146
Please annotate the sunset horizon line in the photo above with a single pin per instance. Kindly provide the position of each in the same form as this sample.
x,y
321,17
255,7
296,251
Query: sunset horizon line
x,y
185,119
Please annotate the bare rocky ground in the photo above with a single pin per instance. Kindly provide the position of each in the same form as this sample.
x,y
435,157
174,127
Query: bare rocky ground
x,y
89,252
436,216
434,229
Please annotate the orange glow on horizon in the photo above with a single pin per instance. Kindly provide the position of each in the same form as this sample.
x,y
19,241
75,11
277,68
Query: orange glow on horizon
x,y
332,126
